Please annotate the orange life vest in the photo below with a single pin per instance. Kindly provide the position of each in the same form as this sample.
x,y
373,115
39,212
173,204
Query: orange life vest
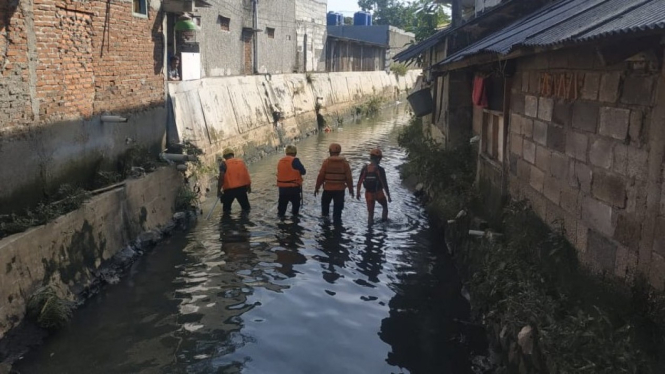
x,y
335,174
287,176
236,174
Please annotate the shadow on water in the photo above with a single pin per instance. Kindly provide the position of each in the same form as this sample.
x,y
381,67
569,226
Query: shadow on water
x,y
253,293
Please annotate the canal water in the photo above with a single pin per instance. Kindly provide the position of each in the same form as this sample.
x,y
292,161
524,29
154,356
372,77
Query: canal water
x,y
250,293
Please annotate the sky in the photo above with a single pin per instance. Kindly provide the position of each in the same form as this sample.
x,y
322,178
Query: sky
x,y
346,7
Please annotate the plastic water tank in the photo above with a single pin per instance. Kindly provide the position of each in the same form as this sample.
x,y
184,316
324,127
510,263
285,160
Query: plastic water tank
x,y
362,19
340,19
332,19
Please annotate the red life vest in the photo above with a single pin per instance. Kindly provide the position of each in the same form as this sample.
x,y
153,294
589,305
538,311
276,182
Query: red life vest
x,y
236,174
287,176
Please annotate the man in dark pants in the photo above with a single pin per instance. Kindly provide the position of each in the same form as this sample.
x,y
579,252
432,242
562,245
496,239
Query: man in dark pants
x,y
233,182
289,180
335,176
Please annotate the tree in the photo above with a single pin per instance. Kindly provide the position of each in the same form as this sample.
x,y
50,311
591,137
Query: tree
x,y
421,17
348,20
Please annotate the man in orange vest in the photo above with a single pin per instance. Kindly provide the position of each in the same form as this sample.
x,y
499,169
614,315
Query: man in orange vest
x,y
289,180
373,178
234,181
335,176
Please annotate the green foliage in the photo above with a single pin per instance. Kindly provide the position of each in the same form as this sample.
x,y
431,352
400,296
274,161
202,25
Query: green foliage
x,y
348,20
370,107
585,324
398,69
65,199
448,173
48,310
186,199
138,157
421,17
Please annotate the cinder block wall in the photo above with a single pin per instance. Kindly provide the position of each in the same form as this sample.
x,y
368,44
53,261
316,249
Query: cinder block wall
x,y
586,148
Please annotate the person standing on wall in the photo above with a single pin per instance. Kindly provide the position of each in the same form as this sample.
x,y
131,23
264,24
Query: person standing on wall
x,y
289,180
335,176
233,182
373,178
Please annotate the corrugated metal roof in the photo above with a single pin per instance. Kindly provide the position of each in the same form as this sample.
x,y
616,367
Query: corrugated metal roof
x,y
570,21
415,50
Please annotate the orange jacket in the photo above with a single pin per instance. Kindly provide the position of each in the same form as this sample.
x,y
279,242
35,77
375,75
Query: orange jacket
x,y
236,174
287,176
335,175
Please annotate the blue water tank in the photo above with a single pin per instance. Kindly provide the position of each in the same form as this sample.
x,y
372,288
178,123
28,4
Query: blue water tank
x,y
362,19
340,19
332,19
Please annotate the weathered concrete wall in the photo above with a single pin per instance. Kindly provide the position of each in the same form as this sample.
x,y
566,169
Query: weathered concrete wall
x,y
223,51
238,111
41,158
66,252
586,148
311,21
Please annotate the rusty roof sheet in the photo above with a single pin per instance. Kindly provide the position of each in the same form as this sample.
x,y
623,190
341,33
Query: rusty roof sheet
x,y
570,21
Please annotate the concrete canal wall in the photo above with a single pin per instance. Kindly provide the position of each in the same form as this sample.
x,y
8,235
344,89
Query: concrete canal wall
x,y
66,252
239,112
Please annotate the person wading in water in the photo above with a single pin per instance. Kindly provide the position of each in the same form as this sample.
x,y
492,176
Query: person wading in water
x,y
233,182
335,176
373,178
289,180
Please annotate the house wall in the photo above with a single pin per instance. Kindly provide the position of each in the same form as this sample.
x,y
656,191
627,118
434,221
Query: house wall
x,y
311,21
345,55
64,63
586,149
223,52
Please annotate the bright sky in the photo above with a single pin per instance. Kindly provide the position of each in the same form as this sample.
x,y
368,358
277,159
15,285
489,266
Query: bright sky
x,y
346,7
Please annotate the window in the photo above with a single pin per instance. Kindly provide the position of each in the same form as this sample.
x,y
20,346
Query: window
x,y
492,139
224,23
270,32
140,8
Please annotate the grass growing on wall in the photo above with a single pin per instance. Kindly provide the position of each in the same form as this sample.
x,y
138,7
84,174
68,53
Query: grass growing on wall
x,y
583,322
398,69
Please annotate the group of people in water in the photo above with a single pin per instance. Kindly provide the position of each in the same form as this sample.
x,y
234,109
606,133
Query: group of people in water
x,y
234,182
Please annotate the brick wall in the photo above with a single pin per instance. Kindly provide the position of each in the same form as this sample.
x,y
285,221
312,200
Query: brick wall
x,y
579,151
86,58
14,87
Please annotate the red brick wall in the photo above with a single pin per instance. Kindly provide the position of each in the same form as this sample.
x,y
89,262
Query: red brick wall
x,y
14,89
89,57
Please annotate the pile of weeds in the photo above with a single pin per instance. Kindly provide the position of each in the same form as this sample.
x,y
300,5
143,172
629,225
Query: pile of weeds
x,y
65,199
137,160
186,199
448,174
585,322
48,310
398,69
370,107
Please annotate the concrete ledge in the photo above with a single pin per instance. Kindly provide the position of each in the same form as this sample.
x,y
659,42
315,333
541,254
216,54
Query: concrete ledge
x,y
66,252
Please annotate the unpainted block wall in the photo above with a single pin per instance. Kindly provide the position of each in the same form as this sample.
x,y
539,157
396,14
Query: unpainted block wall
x,y
585,147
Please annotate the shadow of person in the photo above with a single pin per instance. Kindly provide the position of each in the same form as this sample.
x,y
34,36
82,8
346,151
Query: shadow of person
x,y
289,237
372,256
235,235
333,242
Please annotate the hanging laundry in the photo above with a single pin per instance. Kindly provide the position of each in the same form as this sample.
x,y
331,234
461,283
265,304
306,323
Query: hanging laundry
x,y
479,95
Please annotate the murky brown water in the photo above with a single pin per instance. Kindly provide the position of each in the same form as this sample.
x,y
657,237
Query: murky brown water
x,y
255,294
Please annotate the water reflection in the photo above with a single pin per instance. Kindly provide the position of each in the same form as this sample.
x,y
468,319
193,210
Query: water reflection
x,y
252,293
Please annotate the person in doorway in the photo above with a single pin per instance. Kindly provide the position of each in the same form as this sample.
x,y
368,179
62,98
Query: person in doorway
x,y
233,182
373,178
289,180
335,176
174,64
